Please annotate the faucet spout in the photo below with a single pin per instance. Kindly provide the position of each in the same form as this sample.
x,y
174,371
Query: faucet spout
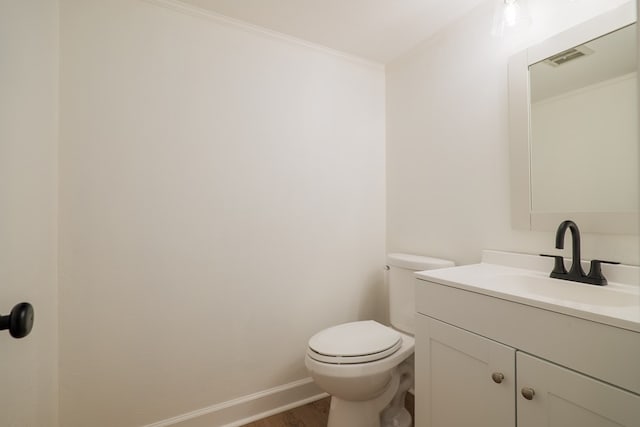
x,y
576,271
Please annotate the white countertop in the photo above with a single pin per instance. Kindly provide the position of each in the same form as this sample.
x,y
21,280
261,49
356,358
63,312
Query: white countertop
x,y
524,278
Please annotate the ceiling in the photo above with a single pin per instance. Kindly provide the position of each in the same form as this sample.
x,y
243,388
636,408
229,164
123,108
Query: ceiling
x,y
378,30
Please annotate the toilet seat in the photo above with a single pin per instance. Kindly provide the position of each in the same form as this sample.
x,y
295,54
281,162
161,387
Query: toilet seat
x,y
355,342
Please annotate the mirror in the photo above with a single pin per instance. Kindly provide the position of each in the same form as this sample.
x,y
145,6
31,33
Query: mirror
x,y
584,127
574,128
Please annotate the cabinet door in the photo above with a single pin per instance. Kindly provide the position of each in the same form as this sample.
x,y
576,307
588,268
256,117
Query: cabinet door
x,y
455,381
564,398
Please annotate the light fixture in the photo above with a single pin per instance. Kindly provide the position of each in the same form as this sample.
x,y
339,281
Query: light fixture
x,y
510,14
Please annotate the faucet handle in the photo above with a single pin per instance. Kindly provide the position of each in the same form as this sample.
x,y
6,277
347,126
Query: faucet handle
x,y
558,265
595,271
601,261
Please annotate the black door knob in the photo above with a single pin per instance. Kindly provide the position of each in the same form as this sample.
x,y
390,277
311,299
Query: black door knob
x,y
20,321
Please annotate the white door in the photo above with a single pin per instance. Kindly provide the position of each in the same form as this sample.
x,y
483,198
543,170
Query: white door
x,y
28,204
462,379
549,395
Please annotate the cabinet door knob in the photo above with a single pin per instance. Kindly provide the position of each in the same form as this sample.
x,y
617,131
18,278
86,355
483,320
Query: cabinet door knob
x,y
528,393
497,377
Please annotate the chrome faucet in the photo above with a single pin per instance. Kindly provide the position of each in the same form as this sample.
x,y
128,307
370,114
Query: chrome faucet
x,y
576,273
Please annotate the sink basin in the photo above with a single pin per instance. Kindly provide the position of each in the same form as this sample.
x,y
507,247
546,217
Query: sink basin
x,y
524,279
555,290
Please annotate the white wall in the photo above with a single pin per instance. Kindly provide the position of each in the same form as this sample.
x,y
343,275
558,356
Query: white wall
x,y
222,199
28,208
447,146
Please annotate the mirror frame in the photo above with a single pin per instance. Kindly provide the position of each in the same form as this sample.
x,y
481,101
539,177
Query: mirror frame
x,y
520,131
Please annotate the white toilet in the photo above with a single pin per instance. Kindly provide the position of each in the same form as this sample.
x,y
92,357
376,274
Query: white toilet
x,y
367,367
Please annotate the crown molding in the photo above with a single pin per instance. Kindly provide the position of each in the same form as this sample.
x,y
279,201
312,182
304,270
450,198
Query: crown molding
x,y
197,12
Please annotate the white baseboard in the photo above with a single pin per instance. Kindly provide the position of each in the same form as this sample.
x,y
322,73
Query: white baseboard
x,y
241,411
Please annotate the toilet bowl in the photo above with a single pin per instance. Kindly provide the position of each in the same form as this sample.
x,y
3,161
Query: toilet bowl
x,y
367,367
363,382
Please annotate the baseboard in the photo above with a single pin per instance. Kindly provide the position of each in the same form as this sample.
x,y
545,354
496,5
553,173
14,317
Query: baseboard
x,y
241,411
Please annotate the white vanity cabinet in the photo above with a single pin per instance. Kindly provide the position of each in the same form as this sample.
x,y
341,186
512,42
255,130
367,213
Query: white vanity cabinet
x,y
462,379
566,398
482,361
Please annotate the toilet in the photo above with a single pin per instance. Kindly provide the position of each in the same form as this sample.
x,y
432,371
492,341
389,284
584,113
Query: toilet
x,y
367,367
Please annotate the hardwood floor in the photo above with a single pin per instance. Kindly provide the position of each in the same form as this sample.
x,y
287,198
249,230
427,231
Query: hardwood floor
x,y
314,414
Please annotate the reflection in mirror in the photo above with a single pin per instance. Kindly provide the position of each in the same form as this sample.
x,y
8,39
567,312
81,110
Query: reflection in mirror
x,y
584,127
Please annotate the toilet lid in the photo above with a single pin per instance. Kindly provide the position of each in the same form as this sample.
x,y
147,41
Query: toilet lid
x,y
355,342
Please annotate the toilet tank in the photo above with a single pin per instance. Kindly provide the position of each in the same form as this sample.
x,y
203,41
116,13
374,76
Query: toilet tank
x,y
401,283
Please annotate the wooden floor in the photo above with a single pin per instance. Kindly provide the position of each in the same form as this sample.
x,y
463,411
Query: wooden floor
x,y
314,414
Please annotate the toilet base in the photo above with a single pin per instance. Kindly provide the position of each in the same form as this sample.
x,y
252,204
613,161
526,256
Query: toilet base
x,y
344,413
386,410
